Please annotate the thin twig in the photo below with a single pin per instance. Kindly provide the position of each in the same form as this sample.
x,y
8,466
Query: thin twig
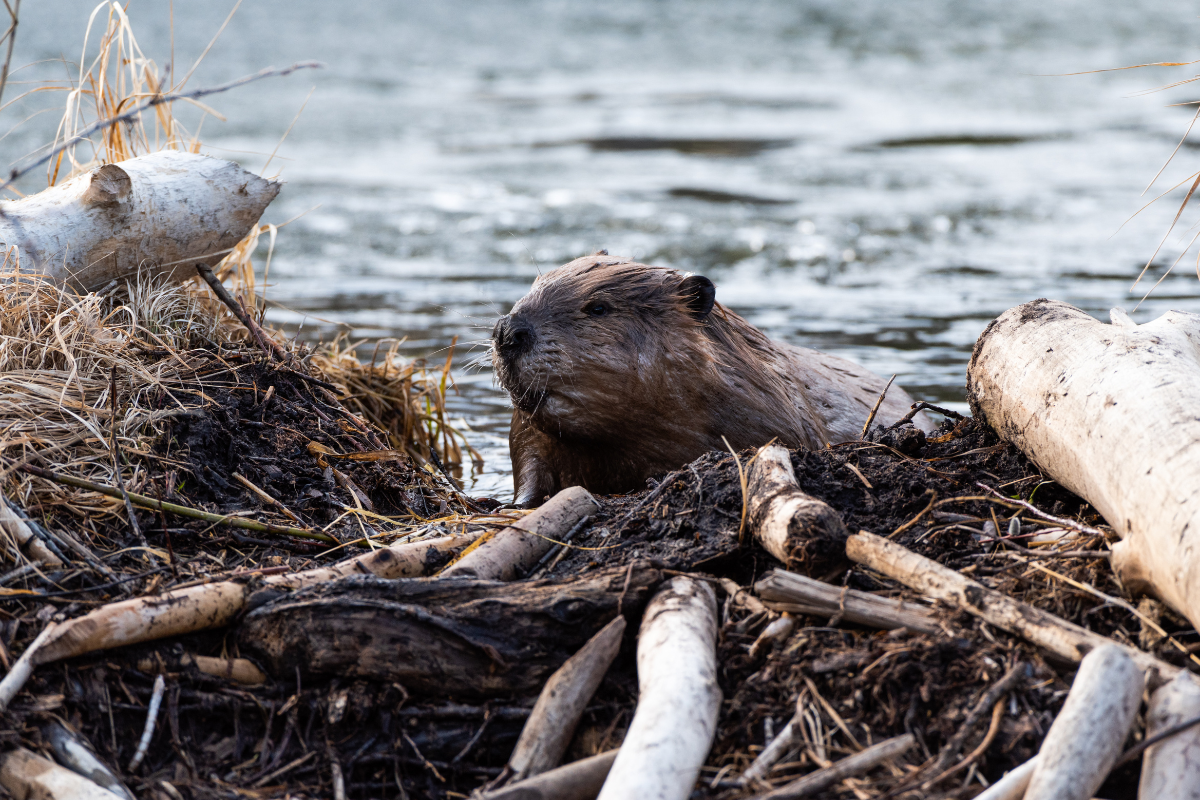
x,y
1032,509
11,35
1135,751
923,406
151,720
157,100
875,409
268,345
992,696
116,457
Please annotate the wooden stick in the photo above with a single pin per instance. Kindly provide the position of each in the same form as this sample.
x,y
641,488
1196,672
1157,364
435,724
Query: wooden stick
x,y
1065,639
21,670
212,605
990,698
776,749
264,341
183,511
27,775
579,780
1086,737
1012,785
516,549
801,531
797,594
1171,768
24,537
676,717
848,767
74,753
559,707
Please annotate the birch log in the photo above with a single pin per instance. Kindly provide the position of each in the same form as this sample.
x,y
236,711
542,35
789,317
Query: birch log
x,y
676,716
28,776
579,780
1012,786
1108,411
1086,737
801,531
160,213
1171,768
515,550
212,605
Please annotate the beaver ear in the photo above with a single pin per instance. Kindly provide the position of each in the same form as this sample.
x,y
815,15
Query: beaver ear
x,y
700,294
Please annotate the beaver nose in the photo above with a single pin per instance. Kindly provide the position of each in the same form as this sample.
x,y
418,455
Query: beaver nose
x,y
512,336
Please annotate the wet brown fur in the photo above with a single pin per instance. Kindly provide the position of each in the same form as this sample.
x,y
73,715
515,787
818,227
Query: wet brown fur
x,y
606,402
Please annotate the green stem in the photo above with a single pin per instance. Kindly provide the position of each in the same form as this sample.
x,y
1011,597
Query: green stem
x,y
183,511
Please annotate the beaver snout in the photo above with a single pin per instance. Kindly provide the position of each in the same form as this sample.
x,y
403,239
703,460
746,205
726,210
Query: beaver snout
x,y
512,336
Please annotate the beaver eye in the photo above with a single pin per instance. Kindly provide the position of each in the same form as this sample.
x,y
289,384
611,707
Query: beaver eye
x,y
597,309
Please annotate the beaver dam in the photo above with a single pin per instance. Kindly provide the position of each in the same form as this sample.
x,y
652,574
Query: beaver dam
x,y
180,492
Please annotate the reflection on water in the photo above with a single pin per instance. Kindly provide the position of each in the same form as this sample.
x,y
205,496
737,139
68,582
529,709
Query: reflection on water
x,y
876,180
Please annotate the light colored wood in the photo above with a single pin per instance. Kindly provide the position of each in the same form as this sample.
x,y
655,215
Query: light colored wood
x,y
579,780
797,594
1063,638
23,668
1086,738
1109,412
212,605
514,551
18,530
1012,786
848,767
561,703
1171,768
785,520
676,716
28,776
76,754
158,214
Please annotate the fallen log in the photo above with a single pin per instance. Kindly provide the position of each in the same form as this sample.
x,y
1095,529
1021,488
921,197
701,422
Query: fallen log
x,y
1064,639
155,215
559,707
515,550
1108,411
579,780
676,716
1012,786
1171,768
212,605
796,594
76,754
28,776
1086,738
848,767
803,532
451,637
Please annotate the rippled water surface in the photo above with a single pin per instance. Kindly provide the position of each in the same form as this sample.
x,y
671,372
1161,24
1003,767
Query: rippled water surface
x,y
873,179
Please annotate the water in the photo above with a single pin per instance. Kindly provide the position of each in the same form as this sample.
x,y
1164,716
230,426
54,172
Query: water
x,y
878,180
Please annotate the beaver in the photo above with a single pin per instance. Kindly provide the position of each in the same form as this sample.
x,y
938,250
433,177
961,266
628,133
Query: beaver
x,y
620,371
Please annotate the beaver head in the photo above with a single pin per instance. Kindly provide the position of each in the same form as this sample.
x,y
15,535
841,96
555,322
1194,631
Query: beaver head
x,y
603,345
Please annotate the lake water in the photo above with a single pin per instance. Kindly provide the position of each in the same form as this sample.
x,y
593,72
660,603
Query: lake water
x,y
873,179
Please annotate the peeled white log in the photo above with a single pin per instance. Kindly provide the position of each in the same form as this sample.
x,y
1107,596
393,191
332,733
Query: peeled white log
x,y
159,214
787,591
1109,412
801,531
28,776
1012,786
75,753
676,717
24,538
516,549
1063,638
1088,734
559,707
212,605
579,780
1171,768
23,668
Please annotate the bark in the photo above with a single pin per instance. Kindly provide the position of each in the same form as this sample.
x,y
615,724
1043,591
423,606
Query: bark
x,y
579,780
796,594
801,531
157,214
1171,768
71,750
238,670
514,551
1086,737
1108,411
676,716
450,637
848,767
213,605
559,707
1065,639
28,776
